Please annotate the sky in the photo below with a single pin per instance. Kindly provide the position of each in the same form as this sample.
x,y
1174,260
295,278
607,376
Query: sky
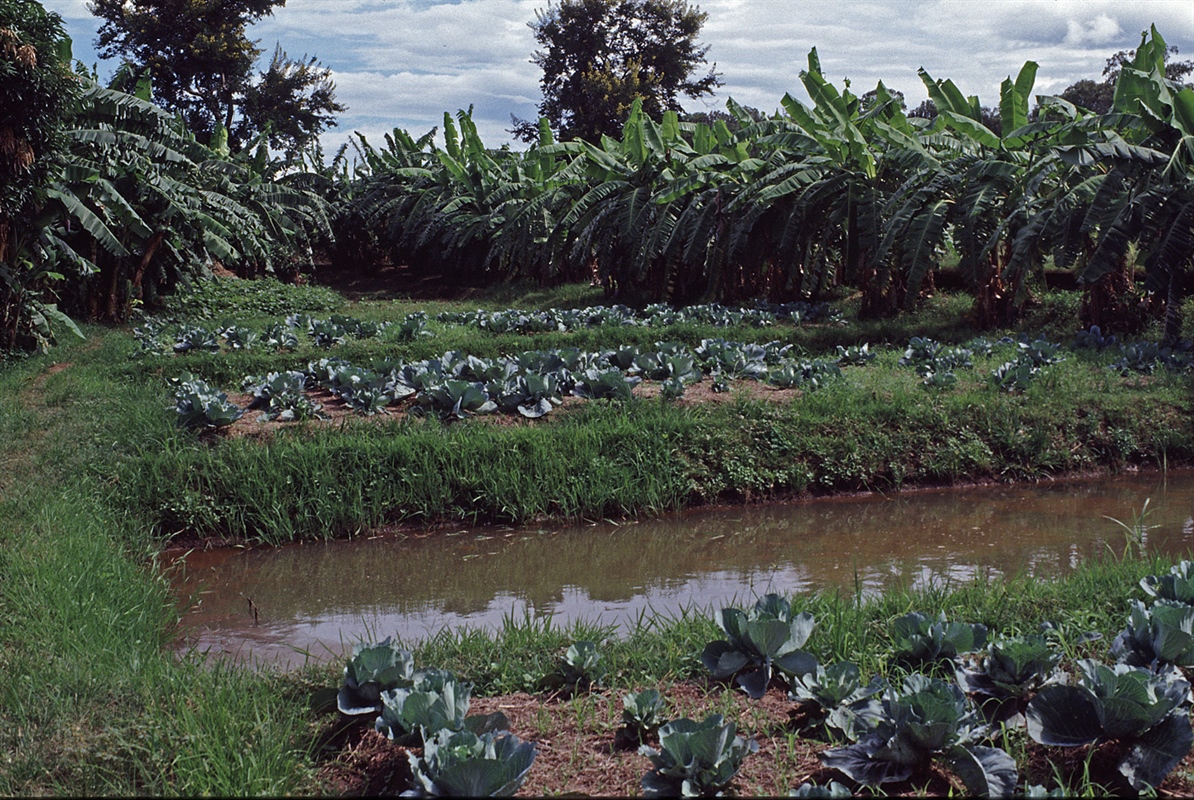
x,y
403,63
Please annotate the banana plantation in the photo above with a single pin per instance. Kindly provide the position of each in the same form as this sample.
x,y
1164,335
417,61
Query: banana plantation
x,y
848,191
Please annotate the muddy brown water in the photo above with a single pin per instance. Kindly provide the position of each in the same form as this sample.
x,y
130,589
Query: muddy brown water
x,y
284,605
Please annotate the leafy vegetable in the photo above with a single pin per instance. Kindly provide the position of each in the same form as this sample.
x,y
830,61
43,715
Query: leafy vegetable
x,y
239,338
579,669
642,713
1158,637
413,326
433,701
195,338
926,719
466,764
855,355
454,399
373,668
531,395
766,636
1177,585
282,396
838,699
1014,376
1130,705
1013,667
695,758
202,406
920,640
612,384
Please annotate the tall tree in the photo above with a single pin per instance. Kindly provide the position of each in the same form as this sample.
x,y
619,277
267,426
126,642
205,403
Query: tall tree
x,y
1097,96
294,100
37,91
601,55
200,59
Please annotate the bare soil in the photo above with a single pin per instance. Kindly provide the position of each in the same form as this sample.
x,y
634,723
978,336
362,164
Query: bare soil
x,y
581,751
251,425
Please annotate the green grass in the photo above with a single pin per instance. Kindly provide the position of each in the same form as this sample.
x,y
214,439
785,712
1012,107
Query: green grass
x,y
876,429
666,648
94,475
92,700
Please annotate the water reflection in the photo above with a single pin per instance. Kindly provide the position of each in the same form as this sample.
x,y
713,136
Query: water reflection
x,y
322,597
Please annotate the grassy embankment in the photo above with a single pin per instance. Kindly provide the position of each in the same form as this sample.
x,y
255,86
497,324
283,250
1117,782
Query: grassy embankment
x,y
877,429
96,474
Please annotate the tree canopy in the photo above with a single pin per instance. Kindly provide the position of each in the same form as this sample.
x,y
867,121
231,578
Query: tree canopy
x,y
200,59
1097,96
601,55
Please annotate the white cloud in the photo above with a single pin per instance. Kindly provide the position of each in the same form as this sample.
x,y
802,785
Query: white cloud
x,y
1100,30
402,63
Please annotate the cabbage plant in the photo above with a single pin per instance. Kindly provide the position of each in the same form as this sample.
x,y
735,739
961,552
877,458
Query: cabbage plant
x,y
855,355
835,697
200,405
764,637
455,399
1014,376
695,758
531,395
281,336
1157,637
734,359
413,326
642,713
1178,585
596,384
579,669
1012,669
373,668
1137,708
926,719
467,764
672,389
239,338
920,639
662,366
194,337
434,700
282,396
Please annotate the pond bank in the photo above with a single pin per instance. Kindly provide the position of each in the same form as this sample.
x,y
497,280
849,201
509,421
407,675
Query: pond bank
x,y
274,605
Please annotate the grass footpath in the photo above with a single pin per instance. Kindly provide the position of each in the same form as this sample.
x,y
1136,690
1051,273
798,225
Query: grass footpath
x,y
95,475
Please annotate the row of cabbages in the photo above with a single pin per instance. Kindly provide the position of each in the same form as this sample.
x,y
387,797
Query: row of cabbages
x,y
1139,706
159,337
532,383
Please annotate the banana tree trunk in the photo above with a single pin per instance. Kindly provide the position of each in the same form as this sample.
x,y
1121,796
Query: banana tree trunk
x,y
1173,306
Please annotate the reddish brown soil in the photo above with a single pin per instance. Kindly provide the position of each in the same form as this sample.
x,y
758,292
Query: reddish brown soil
x,y
338,412
580,751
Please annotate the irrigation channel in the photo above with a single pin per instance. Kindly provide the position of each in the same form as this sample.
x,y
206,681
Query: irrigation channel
x,y
315,600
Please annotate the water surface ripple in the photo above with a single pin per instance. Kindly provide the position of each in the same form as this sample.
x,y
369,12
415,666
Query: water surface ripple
x,y
320,598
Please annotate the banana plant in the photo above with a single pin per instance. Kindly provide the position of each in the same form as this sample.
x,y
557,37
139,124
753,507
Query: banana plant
x,y
1152,205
